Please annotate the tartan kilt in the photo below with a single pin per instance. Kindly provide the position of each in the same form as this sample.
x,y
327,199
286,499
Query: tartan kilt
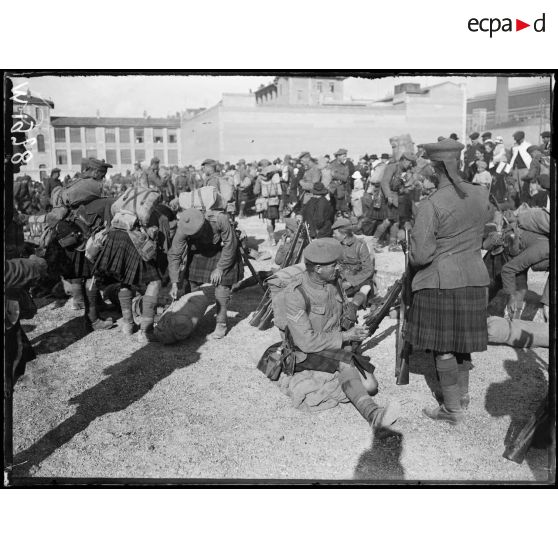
x,y
449,320
200,265
379,213
120,259
71,264
272,212
389,211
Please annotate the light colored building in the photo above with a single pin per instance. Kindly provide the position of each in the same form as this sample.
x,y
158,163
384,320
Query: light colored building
x,y
62,141
296,90
504,111
119,141
267,124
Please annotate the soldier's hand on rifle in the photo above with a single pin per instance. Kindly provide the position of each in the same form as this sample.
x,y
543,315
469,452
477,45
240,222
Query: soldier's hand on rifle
x,y
216,276
356,333
174,291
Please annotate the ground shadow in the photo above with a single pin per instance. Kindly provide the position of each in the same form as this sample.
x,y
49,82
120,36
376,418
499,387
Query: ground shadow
x,y
127,382
61,337
382,460
519,396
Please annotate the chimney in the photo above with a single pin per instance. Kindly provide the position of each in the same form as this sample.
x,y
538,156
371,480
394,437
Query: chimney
x,y
502,96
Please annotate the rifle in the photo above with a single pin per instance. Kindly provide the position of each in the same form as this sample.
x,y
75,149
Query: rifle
x,y
265,322
402,347
244,255
517,450
265,302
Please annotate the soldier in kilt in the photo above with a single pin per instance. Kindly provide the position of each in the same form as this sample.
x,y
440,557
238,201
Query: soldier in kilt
x,y
448,310
71,262
120,259
209,245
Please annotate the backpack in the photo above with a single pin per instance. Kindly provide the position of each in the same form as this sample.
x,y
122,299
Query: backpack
x,y
277,284
81,192
377,174
137,200
179,320
206,197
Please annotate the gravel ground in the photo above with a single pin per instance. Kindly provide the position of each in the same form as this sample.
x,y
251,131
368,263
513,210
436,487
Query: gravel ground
x,y
101,406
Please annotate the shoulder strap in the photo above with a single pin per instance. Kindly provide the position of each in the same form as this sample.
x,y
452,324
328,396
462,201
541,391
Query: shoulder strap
x,y
201,201
305,297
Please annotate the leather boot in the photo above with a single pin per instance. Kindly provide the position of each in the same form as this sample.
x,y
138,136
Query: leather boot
x,y
450,410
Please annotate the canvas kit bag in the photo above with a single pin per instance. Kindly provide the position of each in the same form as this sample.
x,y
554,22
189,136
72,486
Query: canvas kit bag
x,y
138,200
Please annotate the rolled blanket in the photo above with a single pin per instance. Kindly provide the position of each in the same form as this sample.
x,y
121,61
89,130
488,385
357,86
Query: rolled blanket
x,y
517,333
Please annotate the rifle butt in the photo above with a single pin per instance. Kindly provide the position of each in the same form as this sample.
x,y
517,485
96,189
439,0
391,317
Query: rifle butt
x,y
267,320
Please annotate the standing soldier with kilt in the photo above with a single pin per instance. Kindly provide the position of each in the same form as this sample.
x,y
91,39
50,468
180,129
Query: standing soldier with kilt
x,y
448,311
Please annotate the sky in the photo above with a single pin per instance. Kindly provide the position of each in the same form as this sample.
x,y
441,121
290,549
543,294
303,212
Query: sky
x,y
159,96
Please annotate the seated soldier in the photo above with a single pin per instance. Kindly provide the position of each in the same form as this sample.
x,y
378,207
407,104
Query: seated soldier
x,y
357,267
313,311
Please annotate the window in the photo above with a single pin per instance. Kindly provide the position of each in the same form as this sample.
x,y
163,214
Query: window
x,y
111,156
158,137
76,156
319,85
110,135
125,157
331,87
160,154
124,135
173,156
90,136
172,136
42,172
138,135
140,155
299,94
60,135
38,114
75,135
91,153
61,157
41,143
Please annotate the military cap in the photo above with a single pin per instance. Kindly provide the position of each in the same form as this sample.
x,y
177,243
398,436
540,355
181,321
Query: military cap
x,y
93,163
533,148
341,223
491,142
269,169
445,150
486,135
304,154
373,157
288,157
264,163
155,160
341,151
56,169
545,134
385,156
323,251
191,220
241,162
474,136
210,162
519,135
441,138
411,157
319,189
453,137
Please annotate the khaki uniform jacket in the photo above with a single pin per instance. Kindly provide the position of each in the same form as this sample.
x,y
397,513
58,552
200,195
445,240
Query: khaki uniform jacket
x,y
356,265
446,239
320,328
222,233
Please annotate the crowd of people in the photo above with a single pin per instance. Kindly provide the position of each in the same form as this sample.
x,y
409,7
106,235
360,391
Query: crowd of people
x,y
159,226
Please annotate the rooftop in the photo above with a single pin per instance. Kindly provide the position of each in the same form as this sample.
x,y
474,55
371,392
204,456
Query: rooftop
x,y
93,121
32,100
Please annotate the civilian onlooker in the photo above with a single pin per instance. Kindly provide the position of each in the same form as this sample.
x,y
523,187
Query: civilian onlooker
x,y
520,163
483,177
